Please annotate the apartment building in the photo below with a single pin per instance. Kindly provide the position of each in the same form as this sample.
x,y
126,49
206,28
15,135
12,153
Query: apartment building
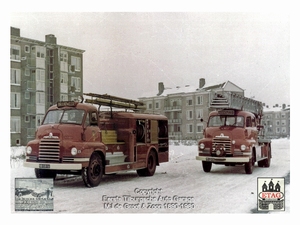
x,y
277,121
185,106
42,73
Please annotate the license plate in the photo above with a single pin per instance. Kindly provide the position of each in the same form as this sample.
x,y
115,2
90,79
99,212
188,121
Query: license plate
x,y
209,159
44,166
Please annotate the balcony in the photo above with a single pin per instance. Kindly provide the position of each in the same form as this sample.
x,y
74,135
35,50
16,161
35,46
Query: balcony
x,y
174,121
172,108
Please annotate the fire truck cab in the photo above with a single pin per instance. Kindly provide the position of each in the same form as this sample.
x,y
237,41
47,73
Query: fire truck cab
x,y
78,138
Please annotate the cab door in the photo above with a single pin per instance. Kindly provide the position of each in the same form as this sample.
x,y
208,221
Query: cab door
x,y
91,128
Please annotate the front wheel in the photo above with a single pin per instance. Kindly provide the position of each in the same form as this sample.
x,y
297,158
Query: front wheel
x,y
249,166
92,174
206,166
151,166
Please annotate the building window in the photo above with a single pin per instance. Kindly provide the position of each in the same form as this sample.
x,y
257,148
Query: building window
x,y
39,119
283,122
40,52
76,61
277,123
283,130
75,84
27,119
200,100
63,97
199,128
150,106
64,82
40,98
15,53
40,80
157,105
15,124
27,72
189,128
189,115
64,56
15,76
27,48
15,100
199,113
283,116
189,101
277,130
27,95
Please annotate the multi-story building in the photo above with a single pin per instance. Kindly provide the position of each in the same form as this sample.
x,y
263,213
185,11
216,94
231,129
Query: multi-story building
x,y
42,73
185,106
277,121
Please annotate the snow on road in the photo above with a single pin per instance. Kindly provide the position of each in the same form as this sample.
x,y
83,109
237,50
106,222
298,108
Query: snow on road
x,y
179,186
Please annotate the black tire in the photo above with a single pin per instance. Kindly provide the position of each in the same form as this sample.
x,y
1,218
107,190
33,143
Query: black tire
x,y
249,166
151,166
92,175
206,166
41,173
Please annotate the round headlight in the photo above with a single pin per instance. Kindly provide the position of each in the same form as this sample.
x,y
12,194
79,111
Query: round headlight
x,y
74,151
28,150
201,146
243,147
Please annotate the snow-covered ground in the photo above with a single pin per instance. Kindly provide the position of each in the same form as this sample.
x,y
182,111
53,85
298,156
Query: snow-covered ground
x,y
225,190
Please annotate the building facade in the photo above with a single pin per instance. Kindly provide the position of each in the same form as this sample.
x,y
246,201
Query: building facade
x,y
186,106
276,121
42,73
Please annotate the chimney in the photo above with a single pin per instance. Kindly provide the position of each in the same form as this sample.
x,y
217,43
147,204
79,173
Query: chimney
x,y
50,39
161,88
201,82
283,106
15,31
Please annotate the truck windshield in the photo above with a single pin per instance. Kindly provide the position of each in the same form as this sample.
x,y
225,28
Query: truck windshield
x,y
217,121
74,116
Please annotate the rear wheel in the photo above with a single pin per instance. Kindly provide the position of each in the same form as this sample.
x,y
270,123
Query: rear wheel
x,y
41,173
92,174
206,166
151,166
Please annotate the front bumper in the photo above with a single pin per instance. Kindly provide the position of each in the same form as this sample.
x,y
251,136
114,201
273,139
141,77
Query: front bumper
x,y
54,166
223,159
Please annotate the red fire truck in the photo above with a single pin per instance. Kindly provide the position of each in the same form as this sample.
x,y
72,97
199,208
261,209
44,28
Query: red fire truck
x,y
234,134
79,138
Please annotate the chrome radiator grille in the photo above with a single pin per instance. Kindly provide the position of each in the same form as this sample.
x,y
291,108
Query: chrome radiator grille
x,y
49,150
221,142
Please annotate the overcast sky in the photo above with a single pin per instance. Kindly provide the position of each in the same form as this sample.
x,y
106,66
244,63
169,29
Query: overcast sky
x,y
127,54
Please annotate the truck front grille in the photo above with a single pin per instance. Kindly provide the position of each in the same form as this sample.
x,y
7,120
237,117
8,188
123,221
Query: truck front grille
x,y
221,142
49,150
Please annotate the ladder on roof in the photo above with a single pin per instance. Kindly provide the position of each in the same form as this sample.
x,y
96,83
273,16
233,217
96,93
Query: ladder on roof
x,y
114,101
228,100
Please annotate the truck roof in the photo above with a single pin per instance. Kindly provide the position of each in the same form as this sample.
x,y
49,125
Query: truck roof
x,y
77,105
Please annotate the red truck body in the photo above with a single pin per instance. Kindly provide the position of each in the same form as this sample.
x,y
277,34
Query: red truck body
x,y
234,135
77,138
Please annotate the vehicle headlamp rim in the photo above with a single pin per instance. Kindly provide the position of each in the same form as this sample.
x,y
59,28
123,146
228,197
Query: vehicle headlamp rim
x,y
28,149
74,151
243,147
202,146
